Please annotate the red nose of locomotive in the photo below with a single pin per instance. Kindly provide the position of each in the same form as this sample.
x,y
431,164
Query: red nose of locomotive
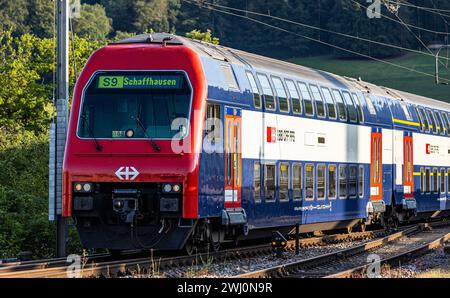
x,y
134,136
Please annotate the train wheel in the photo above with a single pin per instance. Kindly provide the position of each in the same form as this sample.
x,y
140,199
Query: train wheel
x,y
190,248
349,230
214,244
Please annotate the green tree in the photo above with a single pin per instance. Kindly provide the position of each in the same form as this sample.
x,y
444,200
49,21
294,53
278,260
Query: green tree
x,y
93,22
203,36
151,14
41,17
13,16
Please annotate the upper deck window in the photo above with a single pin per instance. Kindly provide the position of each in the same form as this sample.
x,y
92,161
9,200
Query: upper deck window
x,y
229,77
352,114
439,121
283,102
269,102
135,105
295,97
406,111
306,96
420,118
370,105
425,119
330,103
255,90
341,105
320,107
433,122
359,107
446,123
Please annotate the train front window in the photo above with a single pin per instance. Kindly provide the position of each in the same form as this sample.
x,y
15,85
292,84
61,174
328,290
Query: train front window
x,y
136,105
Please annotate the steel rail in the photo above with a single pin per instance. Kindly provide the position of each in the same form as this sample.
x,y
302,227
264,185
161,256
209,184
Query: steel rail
x,y
292,269
149,264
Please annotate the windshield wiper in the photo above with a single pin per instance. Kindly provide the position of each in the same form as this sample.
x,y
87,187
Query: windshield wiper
x,y
98,147
155,146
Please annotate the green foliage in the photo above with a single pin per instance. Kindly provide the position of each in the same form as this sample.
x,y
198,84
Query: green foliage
x,y
203,36
92,23
25,96
13,16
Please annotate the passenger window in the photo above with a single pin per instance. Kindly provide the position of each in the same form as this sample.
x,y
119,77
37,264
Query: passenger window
x,y
332,182
422,180
213,132
448,180
330,103
295,97
425,120
309,109
406,111
309,181
352,181
257,182
422,125
283,103
229,76
297,182
433,122
352,114
361,181
446,123
427,181
435,180
269,182
441,127
269,102
283,182
442,180
255,90
370,105
342,181
321,182
320,108
359,107
341,105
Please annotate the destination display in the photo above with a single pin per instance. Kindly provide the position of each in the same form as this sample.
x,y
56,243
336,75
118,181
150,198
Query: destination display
x,y
140,82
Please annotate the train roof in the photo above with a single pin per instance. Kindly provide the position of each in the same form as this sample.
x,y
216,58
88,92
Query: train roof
x,y
265,63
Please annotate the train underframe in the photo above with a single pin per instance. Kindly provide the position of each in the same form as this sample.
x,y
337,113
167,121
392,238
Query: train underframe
x,y
142,216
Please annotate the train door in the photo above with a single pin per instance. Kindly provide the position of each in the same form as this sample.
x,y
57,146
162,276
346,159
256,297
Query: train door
x,y
408,181
233,158
376,165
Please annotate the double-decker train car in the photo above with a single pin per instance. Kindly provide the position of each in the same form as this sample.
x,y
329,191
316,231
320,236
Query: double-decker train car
x,y
178,143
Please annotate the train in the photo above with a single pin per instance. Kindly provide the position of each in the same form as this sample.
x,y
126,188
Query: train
x,y
175,143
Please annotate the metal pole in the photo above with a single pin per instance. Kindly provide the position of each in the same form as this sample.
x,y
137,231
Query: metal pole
x,y
62,115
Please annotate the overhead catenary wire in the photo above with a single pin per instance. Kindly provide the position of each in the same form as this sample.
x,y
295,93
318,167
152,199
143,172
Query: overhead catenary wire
x,y
428,9
247,12
200,5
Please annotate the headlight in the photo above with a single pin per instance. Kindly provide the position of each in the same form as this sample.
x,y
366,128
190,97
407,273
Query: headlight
x,y
176,188
83,187
167,188
171,188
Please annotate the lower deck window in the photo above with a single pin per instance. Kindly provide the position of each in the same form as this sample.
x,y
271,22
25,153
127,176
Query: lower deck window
x,y
321,182
257,182
342,181
427,180
435,180
309,181
297,187
332,182
422,177
283,183
442,180
269,182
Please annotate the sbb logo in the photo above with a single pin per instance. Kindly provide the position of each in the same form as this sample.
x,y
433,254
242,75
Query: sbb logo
x,y
271,134
428,150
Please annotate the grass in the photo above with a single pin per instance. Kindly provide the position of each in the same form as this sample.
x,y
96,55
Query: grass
x,y
386,75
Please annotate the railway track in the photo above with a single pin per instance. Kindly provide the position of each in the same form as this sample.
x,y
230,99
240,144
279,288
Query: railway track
x,y
352,261
155,265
